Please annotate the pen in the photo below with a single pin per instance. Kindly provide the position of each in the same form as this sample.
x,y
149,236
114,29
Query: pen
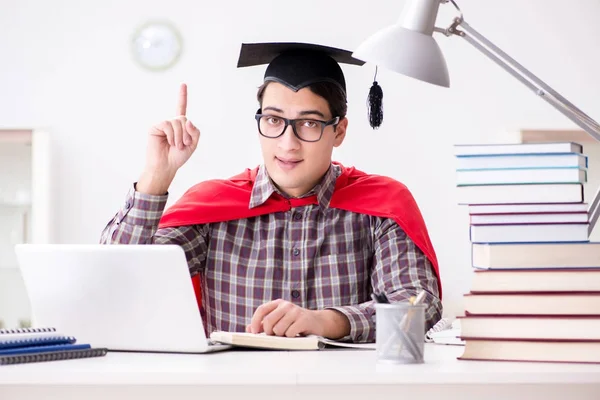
x,y
413,302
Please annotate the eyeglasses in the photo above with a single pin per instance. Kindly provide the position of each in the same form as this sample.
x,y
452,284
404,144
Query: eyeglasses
x,y
307,130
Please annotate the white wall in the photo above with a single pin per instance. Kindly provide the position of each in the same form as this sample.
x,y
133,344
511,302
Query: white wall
x,y
66,67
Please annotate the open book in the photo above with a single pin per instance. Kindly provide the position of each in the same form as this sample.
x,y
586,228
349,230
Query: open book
x,y
264,341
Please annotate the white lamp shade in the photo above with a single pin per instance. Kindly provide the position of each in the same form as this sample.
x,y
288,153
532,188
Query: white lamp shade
x,y
407,52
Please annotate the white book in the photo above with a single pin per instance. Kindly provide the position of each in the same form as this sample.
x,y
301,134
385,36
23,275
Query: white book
x,y
515,176
529,233
477,209
573,160
561,255
490,219
520,194
531,304
536,327
517,148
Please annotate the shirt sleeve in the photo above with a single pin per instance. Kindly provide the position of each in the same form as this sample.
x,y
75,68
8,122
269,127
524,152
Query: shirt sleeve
x,y
400,270
137,223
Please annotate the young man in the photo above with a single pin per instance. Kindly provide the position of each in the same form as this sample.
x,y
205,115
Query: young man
x,y
296,245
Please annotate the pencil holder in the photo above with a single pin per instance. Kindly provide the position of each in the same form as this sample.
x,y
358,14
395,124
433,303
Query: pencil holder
x,y
400,331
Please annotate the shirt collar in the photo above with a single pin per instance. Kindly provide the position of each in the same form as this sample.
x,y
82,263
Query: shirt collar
x,y
263,187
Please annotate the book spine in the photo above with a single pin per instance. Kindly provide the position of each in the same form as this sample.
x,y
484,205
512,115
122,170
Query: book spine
x,y
54,356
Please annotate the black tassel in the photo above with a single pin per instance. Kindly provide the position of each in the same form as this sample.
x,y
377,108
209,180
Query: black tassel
x,y
375,104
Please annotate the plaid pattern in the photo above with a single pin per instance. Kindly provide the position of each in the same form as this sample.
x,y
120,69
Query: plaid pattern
x,y
313,256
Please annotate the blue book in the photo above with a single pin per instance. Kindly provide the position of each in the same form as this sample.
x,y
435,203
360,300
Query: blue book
x,y
44,349
520,176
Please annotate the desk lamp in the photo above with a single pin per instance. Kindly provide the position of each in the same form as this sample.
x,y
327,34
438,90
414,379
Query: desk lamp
x,y
408,48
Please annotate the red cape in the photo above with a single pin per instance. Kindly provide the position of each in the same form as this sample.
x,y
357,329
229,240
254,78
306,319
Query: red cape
x,y
355,191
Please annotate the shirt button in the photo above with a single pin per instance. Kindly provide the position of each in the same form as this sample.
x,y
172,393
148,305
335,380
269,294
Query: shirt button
x,y
128,205
295,294
297,216
296,252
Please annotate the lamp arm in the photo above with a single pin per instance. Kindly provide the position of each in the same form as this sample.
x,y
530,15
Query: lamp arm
x,y
537,86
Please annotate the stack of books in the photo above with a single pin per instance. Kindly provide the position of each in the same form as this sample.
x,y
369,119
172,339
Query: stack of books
x,y
26,345
523,192
535,294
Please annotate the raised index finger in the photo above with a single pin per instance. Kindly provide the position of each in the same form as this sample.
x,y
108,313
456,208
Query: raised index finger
x,y
182,103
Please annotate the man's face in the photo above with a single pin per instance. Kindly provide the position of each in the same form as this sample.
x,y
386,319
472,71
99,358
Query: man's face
x,y
294,165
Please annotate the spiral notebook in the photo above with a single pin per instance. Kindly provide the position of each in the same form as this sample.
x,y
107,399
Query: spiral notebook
x,y
43,341
27,330
52,356
43,349
26,337
27,333
26,345
445,331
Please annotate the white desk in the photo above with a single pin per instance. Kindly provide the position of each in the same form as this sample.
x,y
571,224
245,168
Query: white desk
x,y
329,374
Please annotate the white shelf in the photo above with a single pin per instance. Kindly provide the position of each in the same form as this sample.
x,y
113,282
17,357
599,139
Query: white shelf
x,y
25,211
7,204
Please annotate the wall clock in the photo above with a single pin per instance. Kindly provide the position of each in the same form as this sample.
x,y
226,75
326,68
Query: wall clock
x,y
157,45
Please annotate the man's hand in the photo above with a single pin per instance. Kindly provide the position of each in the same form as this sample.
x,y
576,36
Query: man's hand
x,y
282,318
170,144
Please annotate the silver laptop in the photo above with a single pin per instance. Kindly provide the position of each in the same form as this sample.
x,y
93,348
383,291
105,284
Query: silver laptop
x,y
122,297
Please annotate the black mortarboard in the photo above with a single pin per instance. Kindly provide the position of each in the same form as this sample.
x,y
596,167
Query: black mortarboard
x,y
297,65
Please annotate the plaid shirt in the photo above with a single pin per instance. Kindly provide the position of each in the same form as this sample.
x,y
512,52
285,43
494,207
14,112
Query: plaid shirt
x,y
313,256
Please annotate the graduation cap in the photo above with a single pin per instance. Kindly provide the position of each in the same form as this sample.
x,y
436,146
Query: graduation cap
x,y
297,65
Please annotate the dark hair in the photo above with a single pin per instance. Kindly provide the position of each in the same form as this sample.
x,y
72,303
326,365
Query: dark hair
x,y
333,94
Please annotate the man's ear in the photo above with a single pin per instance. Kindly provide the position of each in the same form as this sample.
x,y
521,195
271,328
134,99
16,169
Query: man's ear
x,y
340,132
